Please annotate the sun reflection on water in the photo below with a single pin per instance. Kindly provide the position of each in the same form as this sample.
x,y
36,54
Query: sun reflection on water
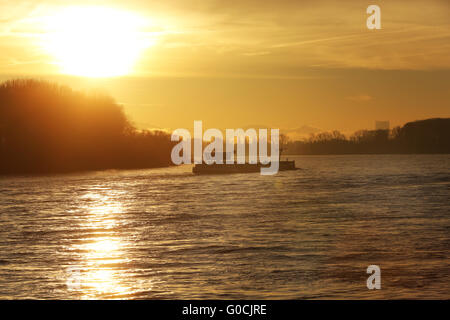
x,y
102,250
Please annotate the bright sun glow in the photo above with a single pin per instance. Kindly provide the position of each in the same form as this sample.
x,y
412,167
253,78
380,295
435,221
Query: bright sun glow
x,y
95,41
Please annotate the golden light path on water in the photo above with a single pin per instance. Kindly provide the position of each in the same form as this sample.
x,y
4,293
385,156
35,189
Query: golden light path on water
x,y
103,253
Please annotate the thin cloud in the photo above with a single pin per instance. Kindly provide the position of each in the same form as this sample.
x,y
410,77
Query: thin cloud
x,y
360,98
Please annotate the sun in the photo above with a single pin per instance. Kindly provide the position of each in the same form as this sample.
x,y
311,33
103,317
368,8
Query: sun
x,y
95,41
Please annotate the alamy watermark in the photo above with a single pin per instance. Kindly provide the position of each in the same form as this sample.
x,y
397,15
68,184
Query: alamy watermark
x,y
374,20
213,152
374,280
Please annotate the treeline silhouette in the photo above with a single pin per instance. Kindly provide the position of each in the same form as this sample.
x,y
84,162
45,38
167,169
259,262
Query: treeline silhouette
x,y
45,127
424,136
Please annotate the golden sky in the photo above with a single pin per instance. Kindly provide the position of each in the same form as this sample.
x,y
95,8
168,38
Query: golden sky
x,y
297,65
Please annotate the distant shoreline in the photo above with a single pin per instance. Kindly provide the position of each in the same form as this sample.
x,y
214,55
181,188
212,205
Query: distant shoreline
x,y
430,136
47,128
80,171
363,154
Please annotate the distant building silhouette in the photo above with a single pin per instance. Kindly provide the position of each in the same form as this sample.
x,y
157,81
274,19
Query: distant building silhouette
x,y
382,125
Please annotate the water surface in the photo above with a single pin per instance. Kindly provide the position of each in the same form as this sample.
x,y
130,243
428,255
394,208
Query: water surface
x,y
167,234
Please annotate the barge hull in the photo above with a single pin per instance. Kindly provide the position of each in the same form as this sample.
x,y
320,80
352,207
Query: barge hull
x,y
238,168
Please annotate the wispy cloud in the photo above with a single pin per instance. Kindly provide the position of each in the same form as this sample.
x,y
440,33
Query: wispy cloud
x,y
360,98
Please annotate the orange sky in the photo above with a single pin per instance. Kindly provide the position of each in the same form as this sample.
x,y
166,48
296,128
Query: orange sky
x,y
297,65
